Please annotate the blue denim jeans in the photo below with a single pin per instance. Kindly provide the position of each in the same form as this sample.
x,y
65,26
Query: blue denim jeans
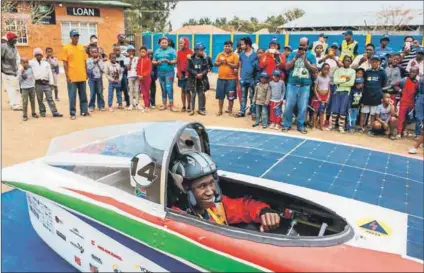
x,y
82,94
112,87
247,88
296,95
166,81
124,89
96,90
419,113
351,118
262,111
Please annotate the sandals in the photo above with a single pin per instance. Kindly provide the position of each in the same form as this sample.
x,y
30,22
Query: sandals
x,y
183,109
239,115
219,114
191,113
201,113
162,107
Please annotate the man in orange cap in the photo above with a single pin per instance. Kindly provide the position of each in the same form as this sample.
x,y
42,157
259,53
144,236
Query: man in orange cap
x,y
9,70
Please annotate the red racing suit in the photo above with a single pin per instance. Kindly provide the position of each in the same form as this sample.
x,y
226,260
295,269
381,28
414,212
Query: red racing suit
x,y
235,210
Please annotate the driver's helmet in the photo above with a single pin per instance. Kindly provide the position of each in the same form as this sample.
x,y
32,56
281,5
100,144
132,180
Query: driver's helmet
x,y
189,166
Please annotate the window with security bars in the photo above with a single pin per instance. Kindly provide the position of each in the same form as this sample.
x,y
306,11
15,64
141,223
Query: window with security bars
x,y
85,30
19,27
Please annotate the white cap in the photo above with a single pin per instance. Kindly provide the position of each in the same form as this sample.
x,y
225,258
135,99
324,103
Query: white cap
x,y
4,38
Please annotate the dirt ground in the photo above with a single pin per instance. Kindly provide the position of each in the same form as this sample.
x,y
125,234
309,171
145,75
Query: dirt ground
x,y
23,141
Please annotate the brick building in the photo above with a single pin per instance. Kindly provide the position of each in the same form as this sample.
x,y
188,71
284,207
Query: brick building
x,y
102,18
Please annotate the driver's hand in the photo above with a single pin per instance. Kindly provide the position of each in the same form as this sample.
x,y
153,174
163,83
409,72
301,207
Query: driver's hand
x,y
269,221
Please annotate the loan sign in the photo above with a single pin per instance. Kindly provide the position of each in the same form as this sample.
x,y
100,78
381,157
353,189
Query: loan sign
x,y
78,11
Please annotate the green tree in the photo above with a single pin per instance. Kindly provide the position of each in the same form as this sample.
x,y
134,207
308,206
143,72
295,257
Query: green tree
x,y
191,22
148,15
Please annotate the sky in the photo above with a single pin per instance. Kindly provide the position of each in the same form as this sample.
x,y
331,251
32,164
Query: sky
x,y
262,9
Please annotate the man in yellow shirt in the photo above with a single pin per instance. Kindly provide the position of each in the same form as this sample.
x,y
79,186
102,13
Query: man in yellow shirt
x,y
74,62
228,63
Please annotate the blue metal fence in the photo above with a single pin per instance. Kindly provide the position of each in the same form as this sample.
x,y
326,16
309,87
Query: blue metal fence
x,y
214,43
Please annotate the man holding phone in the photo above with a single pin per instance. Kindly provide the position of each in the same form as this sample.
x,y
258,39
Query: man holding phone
x,y
409,52
301,64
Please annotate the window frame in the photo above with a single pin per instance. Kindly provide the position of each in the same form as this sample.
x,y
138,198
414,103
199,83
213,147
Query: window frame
x,y
69,23
15,20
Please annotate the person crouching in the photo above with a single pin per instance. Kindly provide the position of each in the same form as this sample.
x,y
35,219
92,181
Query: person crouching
x,y
261,100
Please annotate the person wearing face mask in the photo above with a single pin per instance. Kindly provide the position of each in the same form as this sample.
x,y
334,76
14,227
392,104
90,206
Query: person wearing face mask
x,y
9,69
195,175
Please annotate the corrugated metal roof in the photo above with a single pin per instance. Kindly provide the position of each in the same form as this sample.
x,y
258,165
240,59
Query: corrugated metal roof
x,y
347,19
94,2
202,29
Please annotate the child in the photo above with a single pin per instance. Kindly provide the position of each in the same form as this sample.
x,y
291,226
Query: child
x,y
278,90
360,73
354,102
133,80
375,80
344,78
153,77
27,85
261,100
144,70
409,87
54,64
114,75
319,54
385,119
321,95
393,76
95,69
183,54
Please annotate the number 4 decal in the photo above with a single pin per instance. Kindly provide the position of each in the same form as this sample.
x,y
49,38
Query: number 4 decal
x,y
143,170
148,172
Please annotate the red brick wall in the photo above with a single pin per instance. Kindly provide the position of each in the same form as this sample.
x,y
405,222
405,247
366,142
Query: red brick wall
x,y
109,25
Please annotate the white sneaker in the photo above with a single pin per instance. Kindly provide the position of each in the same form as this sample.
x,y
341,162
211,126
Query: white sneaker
x,y
141,108
277,127
153,107
90,109
412,151
272,126
111,109
130,108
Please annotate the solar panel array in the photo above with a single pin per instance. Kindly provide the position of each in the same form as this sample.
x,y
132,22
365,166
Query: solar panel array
x,y
378,178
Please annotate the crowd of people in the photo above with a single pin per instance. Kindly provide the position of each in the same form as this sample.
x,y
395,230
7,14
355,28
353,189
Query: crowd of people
x,y
328,87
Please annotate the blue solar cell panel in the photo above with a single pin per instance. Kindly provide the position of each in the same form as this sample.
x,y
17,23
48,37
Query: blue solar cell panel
x,y
390,181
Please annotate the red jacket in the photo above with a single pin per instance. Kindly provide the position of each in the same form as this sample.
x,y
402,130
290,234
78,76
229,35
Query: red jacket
x,y
409,89
267,64
240,210
182,60
144,66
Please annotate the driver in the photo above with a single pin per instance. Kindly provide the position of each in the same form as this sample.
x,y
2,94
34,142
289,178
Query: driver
x,y
195,174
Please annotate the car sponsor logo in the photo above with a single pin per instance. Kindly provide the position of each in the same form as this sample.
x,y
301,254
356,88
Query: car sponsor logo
x,y
109,252
77,260
60,234
41,212
374,227
78,246
93,268
96,259
57,220
76,232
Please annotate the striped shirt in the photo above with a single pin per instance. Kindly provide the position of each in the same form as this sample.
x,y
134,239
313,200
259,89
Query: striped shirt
x,y
411,55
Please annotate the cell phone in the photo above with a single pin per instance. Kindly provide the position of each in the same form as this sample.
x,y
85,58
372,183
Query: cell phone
x,y
408,45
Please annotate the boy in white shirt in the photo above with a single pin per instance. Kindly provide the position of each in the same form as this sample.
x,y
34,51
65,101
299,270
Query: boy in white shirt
x,y
43,81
